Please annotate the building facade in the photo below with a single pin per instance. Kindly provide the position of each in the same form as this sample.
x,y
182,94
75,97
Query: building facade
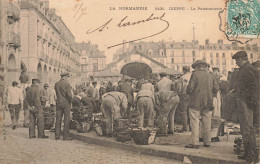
x,y
48,46
9,43
175,55
220,55
181,54
92,60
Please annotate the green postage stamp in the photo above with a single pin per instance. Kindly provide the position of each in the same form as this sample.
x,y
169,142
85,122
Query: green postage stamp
x,y
243,19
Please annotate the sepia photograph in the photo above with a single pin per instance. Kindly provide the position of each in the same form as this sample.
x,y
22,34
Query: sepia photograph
x,y
129,81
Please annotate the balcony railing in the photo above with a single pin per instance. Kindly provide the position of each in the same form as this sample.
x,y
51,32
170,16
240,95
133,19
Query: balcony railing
x,y
14,39
13,13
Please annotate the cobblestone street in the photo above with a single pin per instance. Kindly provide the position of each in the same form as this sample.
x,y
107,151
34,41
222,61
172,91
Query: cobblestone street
x,y
16,147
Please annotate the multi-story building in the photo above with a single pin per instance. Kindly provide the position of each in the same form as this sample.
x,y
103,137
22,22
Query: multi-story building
x,y
181,54
9,43
92,60
220,55
175,55
48,46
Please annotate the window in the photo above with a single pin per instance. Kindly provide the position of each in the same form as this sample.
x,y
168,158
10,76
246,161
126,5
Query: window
x,y
223,61
193,53
204,56
251,56
161,52
211,55
218,62
223,55
178,67
183,60
84,61
217,55
193,59
183,54
211,62
95,65
172,60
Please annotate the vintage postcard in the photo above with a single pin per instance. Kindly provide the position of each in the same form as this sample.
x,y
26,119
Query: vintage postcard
x,y
73,74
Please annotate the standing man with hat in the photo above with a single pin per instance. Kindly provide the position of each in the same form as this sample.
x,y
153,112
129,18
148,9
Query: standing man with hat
x,y
63,106
200,88
15,102
35,109
45,95
246,98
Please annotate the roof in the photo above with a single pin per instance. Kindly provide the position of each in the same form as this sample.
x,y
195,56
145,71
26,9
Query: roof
x,y
105,73
123,56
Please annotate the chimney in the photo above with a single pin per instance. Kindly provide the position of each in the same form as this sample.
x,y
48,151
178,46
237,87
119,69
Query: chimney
x,y
46,4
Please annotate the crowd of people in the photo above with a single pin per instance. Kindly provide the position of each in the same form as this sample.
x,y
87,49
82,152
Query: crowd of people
x,y
200,97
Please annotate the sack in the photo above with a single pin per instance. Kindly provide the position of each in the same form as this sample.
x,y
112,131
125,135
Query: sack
x,y
144,136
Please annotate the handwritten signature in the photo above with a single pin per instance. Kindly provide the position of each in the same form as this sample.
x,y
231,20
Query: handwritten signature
x,y
124,23
79,10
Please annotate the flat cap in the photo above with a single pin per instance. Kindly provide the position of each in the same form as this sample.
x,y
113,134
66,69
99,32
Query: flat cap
x,y
186,68
239,54
199,62
36,80
64,74
256,64
163,73
46,85
14,83
215,68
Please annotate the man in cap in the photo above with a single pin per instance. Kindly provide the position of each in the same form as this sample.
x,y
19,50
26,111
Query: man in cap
x,y
139,83
247,102
126,88
15,103
63,106
166,103
184,97
200,88
35,109
24,78
45,94
114,106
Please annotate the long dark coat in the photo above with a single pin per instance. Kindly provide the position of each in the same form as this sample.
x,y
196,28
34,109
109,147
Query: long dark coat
x,y
201,88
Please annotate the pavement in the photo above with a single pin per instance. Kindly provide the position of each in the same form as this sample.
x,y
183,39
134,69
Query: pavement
x,y
170,147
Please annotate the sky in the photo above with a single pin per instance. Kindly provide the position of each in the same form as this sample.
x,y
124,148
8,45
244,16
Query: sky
x,y
83,16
